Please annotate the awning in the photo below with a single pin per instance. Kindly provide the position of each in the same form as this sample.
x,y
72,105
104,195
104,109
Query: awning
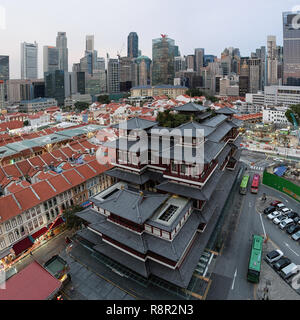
x,y
57,223
39,233
86,204
5,253
22,245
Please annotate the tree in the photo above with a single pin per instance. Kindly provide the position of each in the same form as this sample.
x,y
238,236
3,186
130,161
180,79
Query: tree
x,y
26,123
171,120
104,99
72,221
295,109
81,106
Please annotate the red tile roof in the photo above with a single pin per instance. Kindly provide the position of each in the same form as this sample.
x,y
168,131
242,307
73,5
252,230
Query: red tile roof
x,y
32,283
9,208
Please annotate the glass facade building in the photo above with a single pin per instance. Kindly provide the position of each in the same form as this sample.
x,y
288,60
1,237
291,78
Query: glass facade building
x,y
163,53
29,60
4,72
291,48
55,86
133,45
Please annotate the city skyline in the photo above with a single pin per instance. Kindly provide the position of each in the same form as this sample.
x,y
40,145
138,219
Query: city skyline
x,y
247,36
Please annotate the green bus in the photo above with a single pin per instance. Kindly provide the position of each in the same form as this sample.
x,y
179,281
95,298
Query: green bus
x,y
255,259
244,184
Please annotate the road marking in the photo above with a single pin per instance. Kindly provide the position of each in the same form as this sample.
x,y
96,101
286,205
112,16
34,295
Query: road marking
x,y
262,223
291,249
234,279
250,205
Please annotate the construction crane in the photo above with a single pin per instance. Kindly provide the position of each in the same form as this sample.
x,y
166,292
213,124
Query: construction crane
x,y
120,52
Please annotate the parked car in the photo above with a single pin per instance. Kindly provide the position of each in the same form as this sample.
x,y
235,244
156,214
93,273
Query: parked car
x,y
293,228
279,219
289,270
292,215
274,256
297,219
296,236
280,205
281,263
269,210
285,210
274,215
275,203
285,223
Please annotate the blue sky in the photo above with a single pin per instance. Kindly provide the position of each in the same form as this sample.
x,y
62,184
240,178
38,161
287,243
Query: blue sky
x,y
212,25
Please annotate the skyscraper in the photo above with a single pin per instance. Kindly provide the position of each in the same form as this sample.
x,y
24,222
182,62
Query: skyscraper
x,y
90,40
272,61
291,49
190,62
143,70
113,76
163,61
199,59
4,72
55,83
261,54
133,45
51,59
62,46
29,60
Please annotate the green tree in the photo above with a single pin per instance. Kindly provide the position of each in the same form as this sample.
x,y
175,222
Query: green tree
x,y
103,99
81,106
26,123
72,221
295,109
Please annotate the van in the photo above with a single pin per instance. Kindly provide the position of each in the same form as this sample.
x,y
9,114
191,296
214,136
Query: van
x,y
289,270
285,223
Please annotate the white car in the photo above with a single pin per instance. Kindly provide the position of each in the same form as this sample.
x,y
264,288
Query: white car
x,y
274,256
280,206
285,210
279,219
285,223
274,215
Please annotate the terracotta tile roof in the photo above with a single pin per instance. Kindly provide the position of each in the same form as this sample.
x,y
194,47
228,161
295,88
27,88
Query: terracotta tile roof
x,y
12,170
60,184
14,187
37,161
74,177
9,208
44,190
27,199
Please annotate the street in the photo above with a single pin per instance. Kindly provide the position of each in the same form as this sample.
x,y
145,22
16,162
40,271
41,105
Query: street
x,y
230,273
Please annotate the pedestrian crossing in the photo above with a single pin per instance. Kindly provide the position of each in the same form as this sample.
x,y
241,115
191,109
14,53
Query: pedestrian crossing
x,y
257,168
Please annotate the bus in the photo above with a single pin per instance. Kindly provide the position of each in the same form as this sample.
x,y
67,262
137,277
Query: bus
x,y
255,259
244,184
255,183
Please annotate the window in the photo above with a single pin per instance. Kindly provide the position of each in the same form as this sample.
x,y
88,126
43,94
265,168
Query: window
x,y
35,222
20,220
27,214
174,167
2,243
17,234
30,226
14,222
148,228
11,237
52,214
183,168
56,211
45,206
55,201
38,210
48,216
41,220
49,203
7,226
33,213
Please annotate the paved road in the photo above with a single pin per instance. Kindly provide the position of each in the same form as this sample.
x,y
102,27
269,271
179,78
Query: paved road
x,y
230,272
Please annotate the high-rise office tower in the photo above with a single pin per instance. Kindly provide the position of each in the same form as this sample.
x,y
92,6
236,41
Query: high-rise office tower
x,y
55,86
4,72
190,62
101,63
272,61
29,60
199,59
291,49
51,59
163,61
254,74
179,64
244,77
133,45
90,40
261,54
143,70
127,74
2,96
62,46
113,76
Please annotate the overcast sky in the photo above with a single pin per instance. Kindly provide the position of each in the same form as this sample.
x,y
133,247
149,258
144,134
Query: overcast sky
x,y
212,25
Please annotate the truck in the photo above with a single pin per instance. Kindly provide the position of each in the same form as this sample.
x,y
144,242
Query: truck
x,y
59,268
